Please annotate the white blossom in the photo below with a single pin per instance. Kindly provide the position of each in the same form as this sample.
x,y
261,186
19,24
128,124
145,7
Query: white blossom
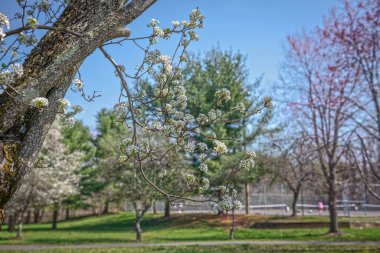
x,y
222,96
78,84
240,107
40,102
189,147
202,146
175,23
32,22
190,178
64,102
204,184
203,167
219,147
3,21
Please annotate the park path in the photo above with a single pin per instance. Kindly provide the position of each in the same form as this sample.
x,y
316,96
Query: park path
x,y
201,243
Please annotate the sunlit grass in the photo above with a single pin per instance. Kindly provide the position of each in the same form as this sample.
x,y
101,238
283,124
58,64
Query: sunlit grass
x,y
118,228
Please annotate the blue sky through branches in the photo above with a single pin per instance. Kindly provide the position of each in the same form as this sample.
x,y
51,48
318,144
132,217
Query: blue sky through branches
x,y
256,28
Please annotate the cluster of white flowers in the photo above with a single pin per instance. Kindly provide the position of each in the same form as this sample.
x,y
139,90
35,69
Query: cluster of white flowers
x,y
222,96
240,108
220,148
176,23
189,147
131,149
203,167
196,19
157,31
249,162
32,22
190,179
204,185
3,21
228,201
40,102
167,65
78,84
214,115
202,146
123,158
237,204
8,76
225,204
62,103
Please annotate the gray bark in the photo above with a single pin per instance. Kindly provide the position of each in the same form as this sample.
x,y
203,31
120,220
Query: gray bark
x,y
48,72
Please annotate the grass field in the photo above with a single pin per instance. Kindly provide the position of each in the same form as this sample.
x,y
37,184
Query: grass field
x,y
222,249
118,228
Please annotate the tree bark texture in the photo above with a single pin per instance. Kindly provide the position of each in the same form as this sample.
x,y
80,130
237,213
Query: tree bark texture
x,y
48,72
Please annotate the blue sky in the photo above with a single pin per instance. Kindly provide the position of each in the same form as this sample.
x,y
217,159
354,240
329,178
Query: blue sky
x,y
256,28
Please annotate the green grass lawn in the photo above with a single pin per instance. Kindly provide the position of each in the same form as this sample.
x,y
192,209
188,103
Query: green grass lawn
x,y
119,228
223,249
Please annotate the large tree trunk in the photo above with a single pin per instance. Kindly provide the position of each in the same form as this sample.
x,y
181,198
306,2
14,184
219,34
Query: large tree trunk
x,y
332,206
167,209
296,194
48,72
246,188
55,216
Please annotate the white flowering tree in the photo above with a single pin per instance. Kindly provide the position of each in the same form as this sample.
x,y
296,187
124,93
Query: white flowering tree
x,y
33,94
30,194
52,179
58,170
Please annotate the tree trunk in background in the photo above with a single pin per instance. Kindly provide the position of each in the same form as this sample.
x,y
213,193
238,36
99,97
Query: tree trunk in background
x,y
106,206
154,207
332,205
28,217
36,214
19,229
41,216
167,209
232,229
246,188
55,216
67,214
48,72
138,228
294,202
11,223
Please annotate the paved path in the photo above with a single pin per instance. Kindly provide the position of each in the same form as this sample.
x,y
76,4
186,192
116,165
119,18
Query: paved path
x,y
202,243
